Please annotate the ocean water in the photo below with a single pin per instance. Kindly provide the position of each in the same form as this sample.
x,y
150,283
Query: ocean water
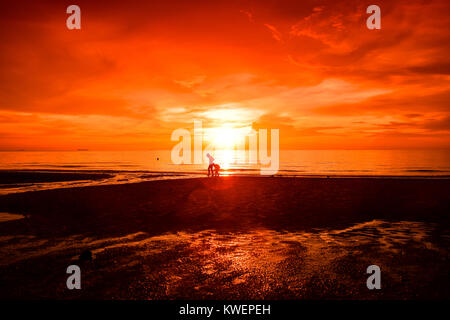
x,y
291,162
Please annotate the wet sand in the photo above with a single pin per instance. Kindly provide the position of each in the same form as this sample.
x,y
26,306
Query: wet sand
x,y
30,176
230,238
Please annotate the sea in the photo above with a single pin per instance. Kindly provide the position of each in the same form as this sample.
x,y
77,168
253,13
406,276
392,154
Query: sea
x,y
136,166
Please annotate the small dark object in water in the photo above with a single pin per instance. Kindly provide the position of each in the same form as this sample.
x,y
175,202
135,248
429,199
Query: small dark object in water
x,y
85,256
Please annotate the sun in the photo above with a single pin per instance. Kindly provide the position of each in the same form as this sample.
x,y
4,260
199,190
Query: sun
x,y
224,138
227,144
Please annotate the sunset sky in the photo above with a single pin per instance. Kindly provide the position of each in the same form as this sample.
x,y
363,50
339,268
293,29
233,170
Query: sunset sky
x,y
137,70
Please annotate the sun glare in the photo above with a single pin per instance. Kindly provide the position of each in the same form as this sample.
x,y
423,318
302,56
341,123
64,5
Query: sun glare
x,y
224,138
228,142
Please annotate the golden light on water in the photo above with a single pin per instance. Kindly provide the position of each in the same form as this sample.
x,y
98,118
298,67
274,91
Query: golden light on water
x,y
227,158
227,144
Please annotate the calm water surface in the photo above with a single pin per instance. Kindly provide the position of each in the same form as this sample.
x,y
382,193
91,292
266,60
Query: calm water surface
x,y
292,162
137,166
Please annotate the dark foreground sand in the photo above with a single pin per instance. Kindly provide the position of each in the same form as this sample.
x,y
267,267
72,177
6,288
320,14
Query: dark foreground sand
x,y
231,238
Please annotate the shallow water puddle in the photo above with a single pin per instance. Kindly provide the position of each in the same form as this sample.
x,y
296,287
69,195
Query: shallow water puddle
x,y
255,249
5,216
254,264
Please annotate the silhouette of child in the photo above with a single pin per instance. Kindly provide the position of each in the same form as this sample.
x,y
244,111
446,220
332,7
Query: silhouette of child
x,y
211,164
216,170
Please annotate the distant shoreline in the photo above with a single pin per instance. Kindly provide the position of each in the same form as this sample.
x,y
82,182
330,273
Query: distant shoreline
x,y
97,173
31,180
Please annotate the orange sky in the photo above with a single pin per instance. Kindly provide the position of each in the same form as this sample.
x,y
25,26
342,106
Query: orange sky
x,y
137,70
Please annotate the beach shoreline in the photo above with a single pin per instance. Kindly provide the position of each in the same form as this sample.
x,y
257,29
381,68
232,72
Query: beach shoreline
x,y
24,180
230,237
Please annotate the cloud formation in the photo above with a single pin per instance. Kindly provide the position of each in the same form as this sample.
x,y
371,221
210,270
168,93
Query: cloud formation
x,y
138,70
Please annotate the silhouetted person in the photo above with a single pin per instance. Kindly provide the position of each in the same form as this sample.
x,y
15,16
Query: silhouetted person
x,y
211,165
216,170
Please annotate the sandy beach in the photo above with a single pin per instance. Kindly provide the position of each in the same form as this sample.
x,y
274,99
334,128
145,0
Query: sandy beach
x,y
230,238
